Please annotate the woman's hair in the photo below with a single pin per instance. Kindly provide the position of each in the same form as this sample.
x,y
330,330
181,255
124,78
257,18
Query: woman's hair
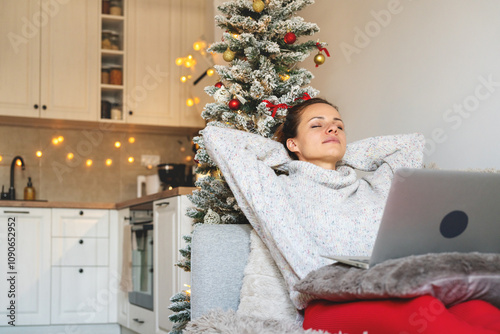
x,y
289,128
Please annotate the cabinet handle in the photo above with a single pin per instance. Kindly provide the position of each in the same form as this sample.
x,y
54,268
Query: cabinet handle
x,y
81,213
130,112
139,321
20,212
81,241
44,107
127,218
163,203
80,271
35,106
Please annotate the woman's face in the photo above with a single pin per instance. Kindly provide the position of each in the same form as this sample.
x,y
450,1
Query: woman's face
x,y
320,136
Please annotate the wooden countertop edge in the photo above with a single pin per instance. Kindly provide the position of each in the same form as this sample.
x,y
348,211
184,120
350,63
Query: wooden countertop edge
x,y
90,205
154,197
63,205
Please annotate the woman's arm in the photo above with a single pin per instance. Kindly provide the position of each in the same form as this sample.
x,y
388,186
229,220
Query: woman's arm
x,y
247,160
397,151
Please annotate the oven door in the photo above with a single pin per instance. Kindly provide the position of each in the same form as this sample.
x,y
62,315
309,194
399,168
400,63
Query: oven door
x,y
142,266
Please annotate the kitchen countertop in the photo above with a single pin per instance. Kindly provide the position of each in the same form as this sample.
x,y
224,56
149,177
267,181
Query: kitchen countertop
x,y
90,205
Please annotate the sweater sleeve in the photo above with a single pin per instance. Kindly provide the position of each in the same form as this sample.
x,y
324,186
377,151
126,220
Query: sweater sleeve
x,y
247,160
396,150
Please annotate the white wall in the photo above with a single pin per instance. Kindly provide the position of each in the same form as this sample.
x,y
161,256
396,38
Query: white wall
x,y
427,60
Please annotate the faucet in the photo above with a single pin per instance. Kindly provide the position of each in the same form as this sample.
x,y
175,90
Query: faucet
x,y
12,191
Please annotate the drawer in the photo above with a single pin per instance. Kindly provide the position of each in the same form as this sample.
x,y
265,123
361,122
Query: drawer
x,y
80,251
80,295
80,223
141,320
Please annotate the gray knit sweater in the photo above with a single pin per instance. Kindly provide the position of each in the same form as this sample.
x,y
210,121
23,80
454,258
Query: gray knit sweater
x,y
312,210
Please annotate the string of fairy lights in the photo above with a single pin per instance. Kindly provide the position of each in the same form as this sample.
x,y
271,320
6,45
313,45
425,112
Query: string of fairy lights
x,y
190,62
72,155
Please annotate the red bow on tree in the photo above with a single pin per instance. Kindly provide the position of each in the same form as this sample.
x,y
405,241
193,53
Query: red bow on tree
x,y
304,97
275,107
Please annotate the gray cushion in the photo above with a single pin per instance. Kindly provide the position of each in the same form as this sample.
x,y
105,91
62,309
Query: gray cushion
x,y
219,254
450,277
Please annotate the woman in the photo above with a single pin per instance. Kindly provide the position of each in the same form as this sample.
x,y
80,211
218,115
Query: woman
x,y
321,207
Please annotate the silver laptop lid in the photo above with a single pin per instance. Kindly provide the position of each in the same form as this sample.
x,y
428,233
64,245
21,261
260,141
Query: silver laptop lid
x,y
434,211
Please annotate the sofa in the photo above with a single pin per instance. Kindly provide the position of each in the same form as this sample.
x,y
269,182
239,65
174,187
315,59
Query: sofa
x,y
219,254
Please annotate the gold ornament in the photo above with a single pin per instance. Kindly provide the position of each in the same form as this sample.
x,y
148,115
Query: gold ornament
x,y
228,55
284,77
258,6
319,58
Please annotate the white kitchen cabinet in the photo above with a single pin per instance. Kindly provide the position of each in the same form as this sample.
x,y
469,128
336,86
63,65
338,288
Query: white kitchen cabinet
x,y
80,223
79,295
31,265
122,296
157,33
80,266
50,59
171,224
141,320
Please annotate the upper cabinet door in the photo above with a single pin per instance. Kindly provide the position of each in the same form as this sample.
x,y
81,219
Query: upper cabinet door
x,y
70,59
158,32
20,30
152,89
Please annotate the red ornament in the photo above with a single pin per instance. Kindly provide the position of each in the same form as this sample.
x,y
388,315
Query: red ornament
x,y
234,104
290,38
218,84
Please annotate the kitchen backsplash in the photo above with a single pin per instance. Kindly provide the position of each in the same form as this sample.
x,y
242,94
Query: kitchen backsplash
x,y
56,177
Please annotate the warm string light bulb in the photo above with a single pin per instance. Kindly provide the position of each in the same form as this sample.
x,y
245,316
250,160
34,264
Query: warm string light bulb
x,y
118,144
88,162
70,156
131,140
131,159
109,162
190,102
38,153
210,72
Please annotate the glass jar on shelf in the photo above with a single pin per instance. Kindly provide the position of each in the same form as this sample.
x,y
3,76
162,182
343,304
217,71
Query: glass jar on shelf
x,y
106,39
115,7
116,111
115,75
115,41
105,69
105,7
105,109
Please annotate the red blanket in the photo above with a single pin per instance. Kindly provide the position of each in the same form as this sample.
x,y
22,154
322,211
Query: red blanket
x,y
424,314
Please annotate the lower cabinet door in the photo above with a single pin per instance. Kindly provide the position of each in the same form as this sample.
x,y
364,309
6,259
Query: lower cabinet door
x,y
141,320
25,292
79,295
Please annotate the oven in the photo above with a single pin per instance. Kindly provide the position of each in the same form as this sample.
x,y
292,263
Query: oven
x,y
142,258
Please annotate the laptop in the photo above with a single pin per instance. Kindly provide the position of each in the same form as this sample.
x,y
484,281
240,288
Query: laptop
x,y
436,211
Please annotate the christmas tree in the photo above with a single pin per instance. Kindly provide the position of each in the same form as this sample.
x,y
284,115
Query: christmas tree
x,y
257,86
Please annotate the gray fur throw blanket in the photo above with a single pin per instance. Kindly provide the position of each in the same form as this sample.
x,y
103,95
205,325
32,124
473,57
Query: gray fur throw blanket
x,y
451,277
228,322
